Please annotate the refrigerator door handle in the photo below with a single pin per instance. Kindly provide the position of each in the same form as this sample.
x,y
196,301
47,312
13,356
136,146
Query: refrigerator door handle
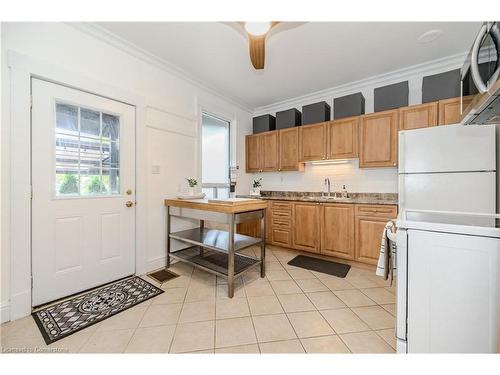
x,y
401,152
401,192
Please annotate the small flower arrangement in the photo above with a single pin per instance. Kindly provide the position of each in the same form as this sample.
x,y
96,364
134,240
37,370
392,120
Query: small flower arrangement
x,y
257,183
192,182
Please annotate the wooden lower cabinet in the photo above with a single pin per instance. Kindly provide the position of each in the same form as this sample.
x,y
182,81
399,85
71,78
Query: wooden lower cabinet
x,y
337,230
347,231
249,228
281,236
370,221
306,227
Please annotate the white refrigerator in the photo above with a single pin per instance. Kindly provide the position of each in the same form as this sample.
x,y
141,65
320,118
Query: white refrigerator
x,y
447,285
448,168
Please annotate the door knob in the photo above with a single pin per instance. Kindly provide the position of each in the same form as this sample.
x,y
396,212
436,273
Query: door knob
x,y
129,203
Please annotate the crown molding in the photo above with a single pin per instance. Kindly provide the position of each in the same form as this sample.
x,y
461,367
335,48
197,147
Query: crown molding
x,y
429,67
134,50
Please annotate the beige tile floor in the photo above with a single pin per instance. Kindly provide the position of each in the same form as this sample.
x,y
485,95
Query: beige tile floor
x,y
292,310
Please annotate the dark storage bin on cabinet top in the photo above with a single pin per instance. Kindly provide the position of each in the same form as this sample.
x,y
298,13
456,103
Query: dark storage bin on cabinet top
x,y
349,105
288,119
264,123
391,96
441,86
316,112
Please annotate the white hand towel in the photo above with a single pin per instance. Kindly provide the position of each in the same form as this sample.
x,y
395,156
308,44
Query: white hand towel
x,y
386,265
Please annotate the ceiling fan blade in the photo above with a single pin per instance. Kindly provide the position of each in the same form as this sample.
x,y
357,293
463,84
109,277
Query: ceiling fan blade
x,y
257,46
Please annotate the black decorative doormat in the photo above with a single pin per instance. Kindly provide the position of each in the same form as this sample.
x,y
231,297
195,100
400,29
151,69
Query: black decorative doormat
x,y
320,265
71,315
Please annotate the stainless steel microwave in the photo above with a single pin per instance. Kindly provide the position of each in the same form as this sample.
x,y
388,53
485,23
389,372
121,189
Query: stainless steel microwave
x,y
479,76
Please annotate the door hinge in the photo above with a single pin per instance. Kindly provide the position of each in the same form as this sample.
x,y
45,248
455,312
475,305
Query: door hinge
x,y
31,282
31,101
31,192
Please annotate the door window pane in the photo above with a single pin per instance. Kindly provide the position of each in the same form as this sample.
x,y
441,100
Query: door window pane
x,y
90,123
67,118
87,152
215,156
110,127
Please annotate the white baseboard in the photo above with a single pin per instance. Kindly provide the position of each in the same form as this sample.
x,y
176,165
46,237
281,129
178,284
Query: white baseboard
x,y
20,305
157,263
4,312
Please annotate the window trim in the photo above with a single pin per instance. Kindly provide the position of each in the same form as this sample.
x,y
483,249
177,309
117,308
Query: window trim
x,y
222,117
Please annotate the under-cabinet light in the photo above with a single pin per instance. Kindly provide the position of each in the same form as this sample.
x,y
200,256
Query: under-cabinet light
x,y
329,162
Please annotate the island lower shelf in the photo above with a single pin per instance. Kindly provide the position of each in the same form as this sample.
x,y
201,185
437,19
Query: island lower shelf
x,y
214,239
214,261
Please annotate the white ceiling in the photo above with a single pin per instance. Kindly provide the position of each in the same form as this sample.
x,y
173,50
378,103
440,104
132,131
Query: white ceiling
x,y
303,59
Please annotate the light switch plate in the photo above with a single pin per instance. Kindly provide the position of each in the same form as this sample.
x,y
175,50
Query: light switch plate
x,y
155,169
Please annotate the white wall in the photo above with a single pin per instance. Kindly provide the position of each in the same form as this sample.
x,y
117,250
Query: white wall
x,y
171,118
378,180
364,180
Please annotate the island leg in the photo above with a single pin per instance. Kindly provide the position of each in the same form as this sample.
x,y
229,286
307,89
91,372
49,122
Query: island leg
x,y
230,257
263,244
202,226
167,237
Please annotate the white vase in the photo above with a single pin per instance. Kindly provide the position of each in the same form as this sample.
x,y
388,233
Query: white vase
x,y
256,191
190,191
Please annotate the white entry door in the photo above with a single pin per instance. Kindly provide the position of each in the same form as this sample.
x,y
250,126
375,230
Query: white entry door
x,y
83,181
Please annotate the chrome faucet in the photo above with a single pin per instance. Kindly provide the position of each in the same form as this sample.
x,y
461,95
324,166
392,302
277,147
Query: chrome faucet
x,y
327,182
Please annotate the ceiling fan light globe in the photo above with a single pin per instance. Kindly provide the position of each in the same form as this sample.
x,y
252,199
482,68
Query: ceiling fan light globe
x,y
257,28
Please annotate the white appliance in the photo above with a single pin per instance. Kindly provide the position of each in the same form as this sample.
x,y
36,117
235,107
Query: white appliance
x,y
480,78
447,241
447,168
448,288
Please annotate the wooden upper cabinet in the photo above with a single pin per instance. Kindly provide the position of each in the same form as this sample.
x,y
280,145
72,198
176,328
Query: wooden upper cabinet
x,y
337,230
418,116
378,137
343,138
449,110
253,153
269,150
305,227
312,142
289,150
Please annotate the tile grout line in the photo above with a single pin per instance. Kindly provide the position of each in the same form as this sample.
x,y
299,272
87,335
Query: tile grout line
x,y
178,318
339,336
138,324
251,319
289,322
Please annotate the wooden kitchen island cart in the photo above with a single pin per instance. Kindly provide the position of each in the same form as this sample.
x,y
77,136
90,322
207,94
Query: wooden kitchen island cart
x,y
215,250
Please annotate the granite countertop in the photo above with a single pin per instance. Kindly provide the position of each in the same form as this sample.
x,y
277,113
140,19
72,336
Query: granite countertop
x,y
353,198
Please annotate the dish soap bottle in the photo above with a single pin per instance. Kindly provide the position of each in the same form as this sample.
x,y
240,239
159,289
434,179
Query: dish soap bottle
x,y
344,192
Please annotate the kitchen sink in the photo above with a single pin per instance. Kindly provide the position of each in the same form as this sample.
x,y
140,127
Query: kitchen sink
x,y
328,198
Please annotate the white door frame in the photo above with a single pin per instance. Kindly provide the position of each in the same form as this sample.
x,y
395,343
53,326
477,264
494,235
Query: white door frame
x,y
17,173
